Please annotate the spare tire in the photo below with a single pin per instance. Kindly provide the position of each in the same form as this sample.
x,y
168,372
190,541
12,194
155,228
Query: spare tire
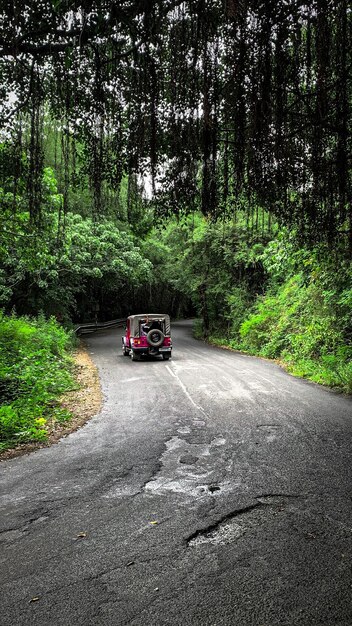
x,y
155,337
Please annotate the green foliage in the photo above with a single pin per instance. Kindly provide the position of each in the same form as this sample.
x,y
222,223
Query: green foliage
x,y
305,321
275,318
129,85
35,369
274,299
238,301
65,265
214,265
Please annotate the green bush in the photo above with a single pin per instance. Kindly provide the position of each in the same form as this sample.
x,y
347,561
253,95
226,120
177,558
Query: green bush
x,y
238,304
286,302
306,326
275,320
35,369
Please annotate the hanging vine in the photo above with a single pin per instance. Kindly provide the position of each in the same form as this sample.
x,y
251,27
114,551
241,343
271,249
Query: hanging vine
x,y
221,104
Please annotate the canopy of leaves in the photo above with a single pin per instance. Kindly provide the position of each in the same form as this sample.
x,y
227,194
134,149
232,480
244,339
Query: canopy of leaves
x,y
64,271
221,101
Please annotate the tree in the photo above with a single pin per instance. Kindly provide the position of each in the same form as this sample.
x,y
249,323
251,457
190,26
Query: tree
x,y
65,272
218,101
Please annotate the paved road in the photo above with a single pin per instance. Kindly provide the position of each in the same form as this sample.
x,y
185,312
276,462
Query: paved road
x,y
213,489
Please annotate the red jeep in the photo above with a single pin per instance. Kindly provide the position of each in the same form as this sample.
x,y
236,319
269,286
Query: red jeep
x,y
147,334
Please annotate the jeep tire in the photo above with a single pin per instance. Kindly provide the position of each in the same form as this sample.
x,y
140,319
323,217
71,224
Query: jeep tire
x,y
155,337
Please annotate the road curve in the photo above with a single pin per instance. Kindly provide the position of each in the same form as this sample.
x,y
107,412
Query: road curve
x,y
211,489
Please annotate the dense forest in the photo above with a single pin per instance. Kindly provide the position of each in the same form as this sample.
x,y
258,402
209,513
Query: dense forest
x,y
187,156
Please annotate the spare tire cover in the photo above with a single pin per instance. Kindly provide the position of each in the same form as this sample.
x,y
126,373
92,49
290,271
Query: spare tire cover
x,y
155,337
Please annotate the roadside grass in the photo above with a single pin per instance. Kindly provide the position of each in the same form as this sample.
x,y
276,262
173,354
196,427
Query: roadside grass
x,y
36,368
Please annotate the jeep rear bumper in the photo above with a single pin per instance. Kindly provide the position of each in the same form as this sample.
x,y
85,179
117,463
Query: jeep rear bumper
x,y
151,350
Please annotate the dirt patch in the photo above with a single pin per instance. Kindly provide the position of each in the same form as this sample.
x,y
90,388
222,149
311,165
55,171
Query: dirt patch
x,y
82,403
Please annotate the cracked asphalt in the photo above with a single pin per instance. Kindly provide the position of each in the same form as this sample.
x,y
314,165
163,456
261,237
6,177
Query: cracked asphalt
x,y
211,489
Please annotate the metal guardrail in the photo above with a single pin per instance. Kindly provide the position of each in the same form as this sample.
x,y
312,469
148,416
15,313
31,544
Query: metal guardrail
x,y
84,329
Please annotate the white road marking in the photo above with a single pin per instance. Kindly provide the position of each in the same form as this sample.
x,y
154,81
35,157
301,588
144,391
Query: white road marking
x,y
134,379
185,391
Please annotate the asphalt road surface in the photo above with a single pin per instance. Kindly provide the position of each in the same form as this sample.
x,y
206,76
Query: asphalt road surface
x,y
211,489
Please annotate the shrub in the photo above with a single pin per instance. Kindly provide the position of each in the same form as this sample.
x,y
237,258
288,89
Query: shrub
x,y
305,325
35,369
